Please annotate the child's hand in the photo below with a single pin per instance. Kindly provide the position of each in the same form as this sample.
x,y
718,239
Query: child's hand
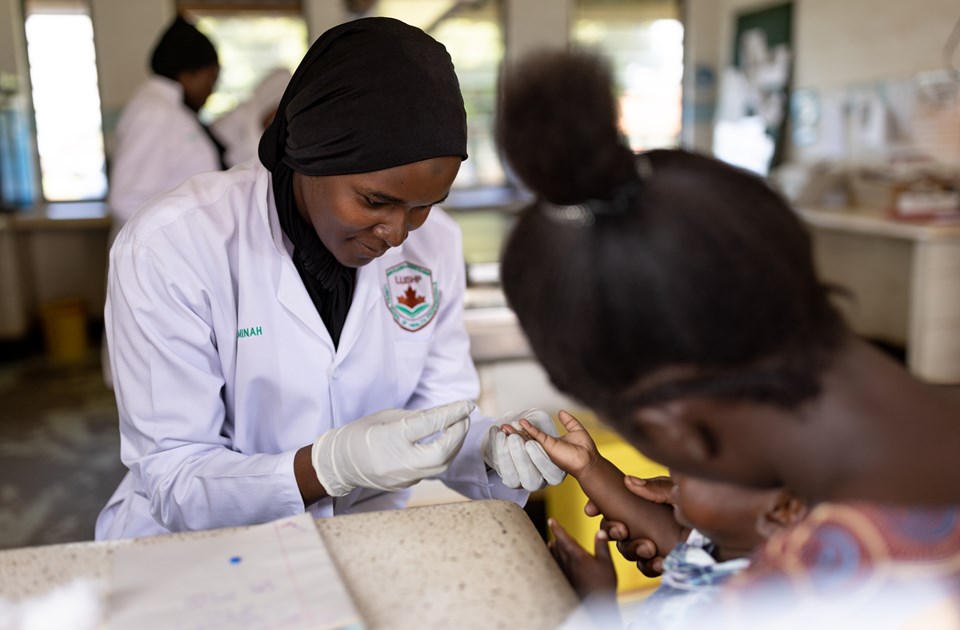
x,y
592,577
574,452
640,549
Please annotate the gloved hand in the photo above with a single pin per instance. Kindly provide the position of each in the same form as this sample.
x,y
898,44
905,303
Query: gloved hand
x,y
521,462
389,450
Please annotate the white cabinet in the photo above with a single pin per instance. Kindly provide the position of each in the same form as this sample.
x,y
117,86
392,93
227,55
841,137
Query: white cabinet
x,y
905,282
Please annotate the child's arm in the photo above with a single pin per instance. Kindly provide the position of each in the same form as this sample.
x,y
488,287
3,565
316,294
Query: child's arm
x,y
642,551
592,576
603,484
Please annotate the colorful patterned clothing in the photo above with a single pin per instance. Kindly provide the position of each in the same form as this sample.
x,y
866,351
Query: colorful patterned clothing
x,y
855,565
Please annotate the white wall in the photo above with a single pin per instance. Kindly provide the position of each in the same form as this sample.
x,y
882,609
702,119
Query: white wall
x,y
841,42
533,24
321,15
11,38
836,42
853,41
125,32
701,46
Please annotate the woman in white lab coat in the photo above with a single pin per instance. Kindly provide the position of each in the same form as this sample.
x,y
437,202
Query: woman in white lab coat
x,y
269,326
159,141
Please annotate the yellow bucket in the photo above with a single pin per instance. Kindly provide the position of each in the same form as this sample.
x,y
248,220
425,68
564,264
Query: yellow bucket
x,y
65,330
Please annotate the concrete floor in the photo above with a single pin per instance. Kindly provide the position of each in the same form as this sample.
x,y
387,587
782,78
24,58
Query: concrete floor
x,y
59,450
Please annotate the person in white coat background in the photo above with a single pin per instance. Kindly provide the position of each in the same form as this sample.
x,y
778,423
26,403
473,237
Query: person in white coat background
x,y
240,128
159,140
288,335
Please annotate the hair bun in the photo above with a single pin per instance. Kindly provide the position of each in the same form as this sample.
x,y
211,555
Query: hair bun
x,y
557,126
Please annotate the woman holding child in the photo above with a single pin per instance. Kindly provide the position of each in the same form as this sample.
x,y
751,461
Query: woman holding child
x,y
677,297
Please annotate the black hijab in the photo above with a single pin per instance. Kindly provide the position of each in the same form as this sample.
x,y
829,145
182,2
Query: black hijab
x,y
370,94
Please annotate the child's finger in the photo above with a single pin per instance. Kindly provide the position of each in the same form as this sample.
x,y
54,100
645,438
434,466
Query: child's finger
x,y
616,530
564,540
645,549
508,429
601,547
545,440
555,528
656,489
557,548
531,429
569,422
556,551
657,565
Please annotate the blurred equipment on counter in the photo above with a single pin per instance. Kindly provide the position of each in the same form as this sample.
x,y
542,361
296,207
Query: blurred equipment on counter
x,y
906,190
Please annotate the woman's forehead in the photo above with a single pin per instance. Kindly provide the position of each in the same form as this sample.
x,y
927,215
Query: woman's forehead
x,y
419,183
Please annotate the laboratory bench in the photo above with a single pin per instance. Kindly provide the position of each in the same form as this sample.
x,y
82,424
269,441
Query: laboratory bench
x,y
476,564
903,279
50,253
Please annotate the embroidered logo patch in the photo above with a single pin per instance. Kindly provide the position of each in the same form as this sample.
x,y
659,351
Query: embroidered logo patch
x,y
411,294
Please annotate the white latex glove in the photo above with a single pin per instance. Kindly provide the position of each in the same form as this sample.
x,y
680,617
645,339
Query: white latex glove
x,y
389,450
519,462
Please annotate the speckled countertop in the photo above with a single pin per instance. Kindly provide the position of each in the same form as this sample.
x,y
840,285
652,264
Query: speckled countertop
x,y
476,564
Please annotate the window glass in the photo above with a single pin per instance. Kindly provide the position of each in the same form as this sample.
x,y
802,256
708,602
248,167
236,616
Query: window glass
x,y
644,41
249,45
473,35
66,101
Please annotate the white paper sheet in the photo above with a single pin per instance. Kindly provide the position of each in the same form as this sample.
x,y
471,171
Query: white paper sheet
x,y
276,575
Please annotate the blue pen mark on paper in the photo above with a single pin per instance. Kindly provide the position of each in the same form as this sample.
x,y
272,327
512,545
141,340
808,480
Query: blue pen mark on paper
x,y
236,560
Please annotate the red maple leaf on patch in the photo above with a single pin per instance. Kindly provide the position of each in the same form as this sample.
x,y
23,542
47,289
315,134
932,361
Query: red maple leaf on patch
x,y
410,298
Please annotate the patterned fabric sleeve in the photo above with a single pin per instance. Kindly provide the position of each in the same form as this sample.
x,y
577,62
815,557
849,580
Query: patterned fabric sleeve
x,y
888,564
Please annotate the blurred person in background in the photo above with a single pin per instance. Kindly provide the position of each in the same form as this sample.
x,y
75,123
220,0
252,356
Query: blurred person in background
x,y
240,128
160,141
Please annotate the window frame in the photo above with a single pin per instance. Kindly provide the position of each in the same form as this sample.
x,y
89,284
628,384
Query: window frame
x,y
39,194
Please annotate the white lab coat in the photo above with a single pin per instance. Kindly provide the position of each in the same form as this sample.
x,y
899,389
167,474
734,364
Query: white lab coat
x,y
240,128
159,143
224,368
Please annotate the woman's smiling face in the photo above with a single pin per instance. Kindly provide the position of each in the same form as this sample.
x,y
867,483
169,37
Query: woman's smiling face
x,y
360,216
